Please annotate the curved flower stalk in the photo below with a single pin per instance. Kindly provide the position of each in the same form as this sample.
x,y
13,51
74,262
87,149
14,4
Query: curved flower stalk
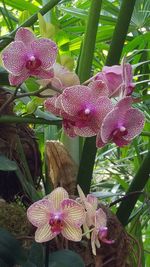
x,y
96,221
29,56
57,214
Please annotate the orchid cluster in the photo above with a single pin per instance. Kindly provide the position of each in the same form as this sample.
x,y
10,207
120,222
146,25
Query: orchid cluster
x,y
101,107
58,214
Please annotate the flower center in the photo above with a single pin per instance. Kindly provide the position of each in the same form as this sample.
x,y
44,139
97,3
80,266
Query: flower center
x,y
33,63
130,89
84,116
56,223
119,132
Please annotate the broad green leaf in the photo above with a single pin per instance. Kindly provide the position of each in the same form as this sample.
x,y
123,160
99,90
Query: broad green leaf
x,y
7,164
36,256
11,251
22,5
65,258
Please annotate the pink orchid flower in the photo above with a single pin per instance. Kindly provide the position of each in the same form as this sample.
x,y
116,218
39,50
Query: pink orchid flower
x,y
85,116
121,125
86,107
57,214
29,56
100,231
117,78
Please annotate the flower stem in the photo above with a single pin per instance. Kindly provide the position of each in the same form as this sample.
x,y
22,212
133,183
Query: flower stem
x,y
119,36
84,70
87,51
141,178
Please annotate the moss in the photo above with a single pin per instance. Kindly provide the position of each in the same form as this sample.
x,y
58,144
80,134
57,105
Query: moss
x,y
13,218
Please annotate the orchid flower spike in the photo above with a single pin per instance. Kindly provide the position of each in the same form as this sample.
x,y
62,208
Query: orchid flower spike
x,y
57,214
29,56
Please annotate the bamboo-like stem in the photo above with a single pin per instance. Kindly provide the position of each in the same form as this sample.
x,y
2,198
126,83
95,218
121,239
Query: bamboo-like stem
x,y
89,149
84,70
120,32
29,22
138,184
87,52
33,120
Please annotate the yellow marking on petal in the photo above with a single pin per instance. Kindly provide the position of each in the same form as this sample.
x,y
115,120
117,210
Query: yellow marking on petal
x,y
44,234
38,212
74,212
72,233
57,196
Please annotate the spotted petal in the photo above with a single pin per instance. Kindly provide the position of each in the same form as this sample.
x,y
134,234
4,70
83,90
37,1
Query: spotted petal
x,y
57,196
46,51
17,80
72,232
26,36
13,57
38,212
44,234
74,212
134,122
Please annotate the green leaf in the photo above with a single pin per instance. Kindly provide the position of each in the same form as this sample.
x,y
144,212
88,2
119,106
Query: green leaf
x,y
65,258
11,251
7,164
36,256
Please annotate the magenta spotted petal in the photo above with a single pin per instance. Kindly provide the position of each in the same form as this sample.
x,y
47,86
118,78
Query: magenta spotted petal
x,y
25,36
14,58
45,50
122,124
28,56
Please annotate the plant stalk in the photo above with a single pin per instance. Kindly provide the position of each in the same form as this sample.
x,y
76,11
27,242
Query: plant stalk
x,y
32,120
140,180
84,70
116,47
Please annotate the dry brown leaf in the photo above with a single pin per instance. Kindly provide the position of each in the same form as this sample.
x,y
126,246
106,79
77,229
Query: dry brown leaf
x,y
62,169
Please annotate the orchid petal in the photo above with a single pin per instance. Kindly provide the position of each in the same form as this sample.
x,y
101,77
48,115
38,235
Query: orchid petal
x,y
74,212
134,122
75,94
57,196
45,50
17,80
13,57
92,200
44,233
100,219
72,232
26,36
38,213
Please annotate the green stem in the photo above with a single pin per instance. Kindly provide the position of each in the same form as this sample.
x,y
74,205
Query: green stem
x,y
87,52
84,70
89,149
33,120
29,22
138,184
120,32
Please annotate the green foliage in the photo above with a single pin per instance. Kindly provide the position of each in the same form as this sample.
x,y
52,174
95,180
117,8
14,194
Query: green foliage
x,y
65,258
